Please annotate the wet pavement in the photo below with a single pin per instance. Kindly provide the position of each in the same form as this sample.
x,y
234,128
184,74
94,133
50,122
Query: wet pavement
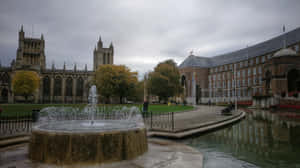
x,y
161,154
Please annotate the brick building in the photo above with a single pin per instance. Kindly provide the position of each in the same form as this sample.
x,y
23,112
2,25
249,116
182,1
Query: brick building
x,y
268,69
56,85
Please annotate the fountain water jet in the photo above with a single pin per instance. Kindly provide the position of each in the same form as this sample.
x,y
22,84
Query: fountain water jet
x,y
68,136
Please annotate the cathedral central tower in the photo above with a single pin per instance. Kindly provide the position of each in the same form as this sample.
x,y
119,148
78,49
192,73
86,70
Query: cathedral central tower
x,y
103,55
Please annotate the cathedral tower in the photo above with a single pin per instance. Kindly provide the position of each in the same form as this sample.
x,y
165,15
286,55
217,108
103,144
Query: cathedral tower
x,y
30,52
103,55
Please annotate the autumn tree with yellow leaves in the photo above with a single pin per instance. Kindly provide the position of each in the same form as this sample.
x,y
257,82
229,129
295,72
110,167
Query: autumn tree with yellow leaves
x,y
115,80
25,83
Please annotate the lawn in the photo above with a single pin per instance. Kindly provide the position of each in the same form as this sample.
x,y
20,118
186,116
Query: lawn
x,y
25,109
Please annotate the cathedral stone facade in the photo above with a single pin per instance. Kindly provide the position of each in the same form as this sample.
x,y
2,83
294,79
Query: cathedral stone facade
x,y
56,85
268,71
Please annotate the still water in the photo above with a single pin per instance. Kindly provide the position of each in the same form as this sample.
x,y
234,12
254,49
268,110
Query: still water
x,y
262,139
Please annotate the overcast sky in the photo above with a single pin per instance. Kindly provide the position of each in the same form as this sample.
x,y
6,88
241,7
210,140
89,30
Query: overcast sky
x,y
143,32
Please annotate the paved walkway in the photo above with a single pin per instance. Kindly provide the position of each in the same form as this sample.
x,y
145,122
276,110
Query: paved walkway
x,y
201,116
161,154
204,118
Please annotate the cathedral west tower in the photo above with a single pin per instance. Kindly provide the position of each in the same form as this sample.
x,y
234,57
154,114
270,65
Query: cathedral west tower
x,y
30,52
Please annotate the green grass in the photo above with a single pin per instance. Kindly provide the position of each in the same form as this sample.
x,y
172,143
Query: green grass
x,y
25,109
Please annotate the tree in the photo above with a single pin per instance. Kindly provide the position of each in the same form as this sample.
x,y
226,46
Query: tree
x,y
115,80
25,83
165,80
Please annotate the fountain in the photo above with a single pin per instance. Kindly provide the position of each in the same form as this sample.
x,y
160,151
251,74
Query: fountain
x,y
69,136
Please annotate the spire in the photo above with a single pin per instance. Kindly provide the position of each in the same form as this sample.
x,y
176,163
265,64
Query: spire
x,y
21,28
42,36
100,44
75,67
85,68
284,36
111,45
64,65
53,66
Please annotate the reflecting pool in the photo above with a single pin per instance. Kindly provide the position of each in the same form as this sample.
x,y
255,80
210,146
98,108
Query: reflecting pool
x,y
262,139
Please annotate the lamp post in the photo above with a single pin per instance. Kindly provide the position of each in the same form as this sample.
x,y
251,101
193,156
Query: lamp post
x,y
234,73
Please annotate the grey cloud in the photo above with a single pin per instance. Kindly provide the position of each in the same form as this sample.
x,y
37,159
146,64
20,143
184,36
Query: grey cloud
x,y
143,32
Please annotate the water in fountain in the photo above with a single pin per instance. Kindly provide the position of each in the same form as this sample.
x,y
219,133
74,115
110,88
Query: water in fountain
x,y
91,117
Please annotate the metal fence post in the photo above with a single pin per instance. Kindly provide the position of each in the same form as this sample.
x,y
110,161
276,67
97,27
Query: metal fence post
x,y
150,119
173,122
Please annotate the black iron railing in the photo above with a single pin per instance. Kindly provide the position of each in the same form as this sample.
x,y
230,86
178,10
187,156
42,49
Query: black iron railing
x,y
23,122
18,123
160,121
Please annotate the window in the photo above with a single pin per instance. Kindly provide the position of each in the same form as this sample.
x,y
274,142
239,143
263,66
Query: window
x,y
228,84
259,70
243,73
246,63
238,74
297,48
79,87
249,71
254,71
260,80
230,66
225,67
257,60
249,82
69,86
254,81
263,59
244,82
251,62
241,64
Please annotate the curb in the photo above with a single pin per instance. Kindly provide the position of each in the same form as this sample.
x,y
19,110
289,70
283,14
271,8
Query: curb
x,y
14,140
208,127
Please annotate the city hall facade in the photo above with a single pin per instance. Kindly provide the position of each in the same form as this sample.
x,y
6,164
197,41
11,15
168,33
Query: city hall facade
x,y
268,69
56,85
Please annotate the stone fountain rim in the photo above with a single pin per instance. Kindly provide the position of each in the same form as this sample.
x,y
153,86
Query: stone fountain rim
x,y
37,128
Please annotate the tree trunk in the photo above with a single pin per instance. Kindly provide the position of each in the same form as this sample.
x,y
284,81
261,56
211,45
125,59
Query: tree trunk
x,y
121,100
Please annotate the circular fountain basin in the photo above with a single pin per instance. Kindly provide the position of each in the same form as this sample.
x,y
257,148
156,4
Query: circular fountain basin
x,y
80,142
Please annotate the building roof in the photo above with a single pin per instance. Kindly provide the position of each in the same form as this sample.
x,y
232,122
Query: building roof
x,y
263,48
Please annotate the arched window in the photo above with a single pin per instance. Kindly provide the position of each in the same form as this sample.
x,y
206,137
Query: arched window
x,y
69,86
79,87
4,95
5,78
46,86
183,80
57,86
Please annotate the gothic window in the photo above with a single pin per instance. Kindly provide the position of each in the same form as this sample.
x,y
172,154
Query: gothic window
x,y
104,58
79,87
69,86
57,86
4,95
5,78
46,86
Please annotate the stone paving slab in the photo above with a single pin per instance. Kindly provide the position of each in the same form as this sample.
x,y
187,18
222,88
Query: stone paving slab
x,y
161,154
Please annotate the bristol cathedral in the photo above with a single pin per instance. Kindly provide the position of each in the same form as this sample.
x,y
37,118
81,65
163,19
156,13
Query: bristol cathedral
x,y
56,85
